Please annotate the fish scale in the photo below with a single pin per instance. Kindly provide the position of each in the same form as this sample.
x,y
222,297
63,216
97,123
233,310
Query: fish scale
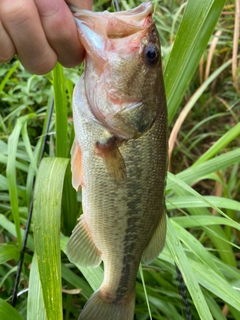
x,y
121,170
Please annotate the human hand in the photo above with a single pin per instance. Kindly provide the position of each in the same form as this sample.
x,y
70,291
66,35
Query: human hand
x,y
40,32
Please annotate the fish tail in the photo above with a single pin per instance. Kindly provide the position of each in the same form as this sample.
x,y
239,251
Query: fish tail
x,y
97,308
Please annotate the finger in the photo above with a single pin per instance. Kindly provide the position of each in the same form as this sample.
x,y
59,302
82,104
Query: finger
x,y
61,32
7,51
21,21
81,4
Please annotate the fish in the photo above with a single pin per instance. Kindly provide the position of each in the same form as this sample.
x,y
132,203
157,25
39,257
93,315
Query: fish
x,y
119,155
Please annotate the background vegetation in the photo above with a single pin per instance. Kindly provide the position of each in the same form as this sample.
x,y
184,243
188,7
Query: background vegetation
x,y
200,40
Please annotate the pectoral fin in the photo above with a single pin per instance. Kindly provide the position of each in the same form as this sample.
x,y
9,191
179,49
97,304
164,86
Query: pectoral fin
x,y
81,248
157,241
76,166
114,162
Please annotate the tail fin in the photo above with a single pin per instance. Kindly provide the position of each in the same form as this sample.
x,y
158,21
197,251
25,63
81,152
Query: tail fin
x,y
98,309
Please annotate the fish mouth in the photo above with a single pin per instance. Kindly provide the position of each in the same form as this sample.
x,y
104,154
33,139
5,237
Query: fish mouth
x,y
101,31
144,10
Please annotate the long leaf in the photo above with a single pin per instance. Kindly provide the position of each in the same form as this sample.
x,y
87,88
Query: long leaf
x,y
8,252
7,312
201,221
216,233
35,304
10,227
193,174
46,219
182,262
69,204
60,103
228,137
199,20
193,202
216,284
11,173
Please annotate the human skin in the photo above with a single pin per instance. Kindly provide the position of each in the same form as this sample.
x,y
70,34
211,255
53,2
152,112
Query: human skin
x,y
40,33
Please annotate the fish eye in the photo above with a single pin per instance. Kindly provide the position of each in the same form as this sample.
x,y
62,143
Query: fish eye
x,y
151,54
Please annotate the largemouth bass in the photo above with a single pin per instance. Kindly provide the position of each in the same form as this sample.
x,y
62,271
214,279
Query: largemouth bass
x,y
119,156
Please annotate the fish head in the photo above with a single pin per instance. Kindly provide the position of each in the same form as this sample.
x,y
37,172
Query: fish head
x,y
123,76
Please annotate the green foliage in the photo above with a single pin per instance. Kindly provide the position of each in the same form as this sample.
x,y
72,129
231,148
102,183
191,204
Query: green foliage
x,y
7,312
46,224
202,192
193,35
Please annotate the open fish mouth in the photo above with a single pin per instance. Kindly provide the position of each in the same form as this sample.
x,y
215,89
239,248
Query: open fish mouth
x,y
96,27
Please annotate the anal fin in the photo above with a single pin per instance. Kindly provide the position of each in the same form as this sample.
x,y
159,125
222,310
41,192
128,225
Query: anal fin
x,y
157,241
81,249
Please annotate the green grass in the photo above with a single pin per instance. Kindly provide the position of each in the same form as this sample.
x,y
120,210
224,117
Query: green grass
x,y
202,192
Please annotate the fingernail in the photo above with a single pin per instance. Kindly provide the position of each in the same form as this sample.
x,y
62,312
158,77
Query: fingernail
x,y
46,7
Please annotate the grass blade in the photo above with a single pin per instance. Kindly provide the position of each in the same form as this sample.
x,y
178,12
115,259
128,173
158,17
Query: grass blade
x,y
192,101
194,174
228,137
10,227
191,40
201,221
46,219
215,283
7,312
60,102
193,202
145,291
216,233
8,75
70,205
35,304
182,262
8,252
11,172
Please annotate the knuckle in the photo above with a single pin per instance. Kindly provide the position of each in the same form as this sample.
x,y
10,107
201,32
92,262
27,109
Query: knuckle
x,y
18,10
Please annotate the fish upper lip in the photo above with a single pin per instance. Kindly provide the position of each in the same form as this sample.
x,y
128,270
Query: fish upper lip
x,y
137,18
139,12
